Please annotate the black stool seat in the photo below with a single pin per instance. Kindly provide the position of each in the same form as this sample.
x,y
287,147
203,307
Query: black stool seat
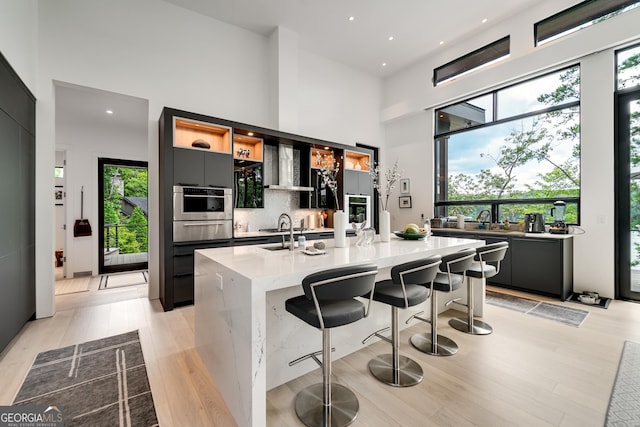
x,y
486,264
449,278
328,302
390,293
409,286
334,313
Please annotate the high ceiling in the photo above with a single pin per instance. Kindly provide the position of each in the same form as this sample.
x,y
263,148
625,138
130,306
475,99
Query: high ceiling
x,y
323,26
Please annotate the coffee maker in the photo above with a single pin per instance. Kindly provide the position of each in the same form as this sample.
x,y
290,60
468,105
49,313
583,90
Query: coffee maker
x,y
534,223
558,211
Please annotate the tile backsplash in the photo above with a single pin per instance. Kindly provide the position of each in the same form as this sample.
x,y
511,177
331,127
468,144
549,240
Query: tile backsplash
x,y
275,203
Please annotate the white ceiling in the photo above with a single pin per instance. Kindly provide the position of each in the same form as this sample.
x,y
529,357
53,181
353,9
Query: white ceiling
x,y
323,27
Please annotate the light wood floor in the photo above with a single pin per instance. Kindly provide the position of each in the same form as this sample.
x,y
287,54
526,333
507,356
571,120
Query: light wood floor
x,y
529,372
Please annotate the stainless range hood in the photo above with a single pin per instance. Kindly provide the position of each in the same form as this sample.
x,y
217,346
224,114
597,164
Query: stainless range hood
x,y
286,167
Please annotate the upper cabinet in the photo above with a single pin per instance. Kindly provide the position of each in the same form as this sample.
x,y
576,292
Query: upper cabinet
x,y
354,160
247,147
248,171
202,154
201,135
356,173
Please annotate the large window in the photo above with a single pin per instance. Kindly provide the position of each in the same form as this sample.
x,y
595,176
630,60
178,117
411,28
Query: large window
x,y
514,151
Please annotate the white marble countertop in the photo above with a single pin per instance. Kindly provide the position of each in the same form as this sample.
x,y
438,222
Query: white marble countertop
x,y
262,266
509,233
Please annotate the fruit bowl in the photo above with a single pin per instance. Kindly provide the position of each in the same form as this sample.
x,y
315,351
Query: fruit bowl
x,y
410,236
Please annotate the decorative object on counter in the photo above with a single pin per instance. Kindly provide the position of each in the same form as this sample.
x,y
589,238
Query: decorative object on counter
x,y
329,173
385,226
201,143
364,234
391,176
340,229
319,245
460,219
302,242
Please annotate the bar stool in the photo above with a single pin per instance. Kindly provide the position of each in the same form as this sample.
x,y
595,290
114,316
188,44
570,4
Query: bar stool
x,y
328,302
448,279
486,265
403,290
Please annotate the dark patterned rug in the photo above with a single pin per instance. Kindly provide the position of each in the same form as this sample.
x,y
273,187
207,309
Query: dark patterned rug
x,y
96,383
624,404
559,313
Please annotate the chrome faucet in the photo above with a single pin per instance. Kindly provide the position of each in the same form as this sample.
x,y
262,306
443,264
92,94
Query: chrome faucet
x,y
483,218
282,220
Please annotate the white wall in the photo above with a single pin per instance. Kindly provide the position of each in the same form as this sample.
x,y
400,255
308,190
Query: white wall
x,y
18,38
176,58
410,92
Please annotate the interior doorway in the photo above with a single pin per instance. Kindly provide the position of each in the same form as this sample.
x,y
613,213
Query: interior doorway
x,y
60,196
123,216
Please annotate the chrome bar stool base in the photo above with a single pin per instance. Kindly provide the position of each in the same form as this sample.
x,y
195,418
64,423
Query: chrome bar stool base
x,y
408,373
444,347
478,327
313,413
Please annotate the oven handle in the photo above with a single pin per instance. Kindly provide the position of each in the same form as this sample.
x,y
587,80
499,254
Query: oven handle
x,y
200,224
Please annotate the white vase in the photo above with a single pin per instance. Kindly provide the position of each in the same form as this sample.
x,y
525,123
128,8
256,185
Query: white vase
x,y
385,226
340,229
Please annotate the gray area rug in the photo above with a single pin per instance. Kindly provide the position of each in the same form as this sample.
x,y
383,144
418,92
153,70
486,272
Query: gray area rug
x,y
567,315
96,383
624,404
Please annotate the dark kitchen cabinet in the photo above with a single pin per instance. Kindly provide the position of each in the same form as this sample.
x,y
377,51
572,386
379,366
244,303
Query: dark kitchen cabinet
x,y
182,280
543,266
537,265
201,168
17,216
248,185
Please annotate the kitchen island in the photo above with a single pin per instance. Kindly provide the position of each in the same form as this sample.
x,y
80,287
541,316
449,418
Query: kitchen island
x,y
246,338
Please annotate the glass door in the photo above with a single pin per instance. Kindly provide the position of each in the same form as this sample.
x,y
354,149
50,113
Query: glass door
x,y
628,194
123,211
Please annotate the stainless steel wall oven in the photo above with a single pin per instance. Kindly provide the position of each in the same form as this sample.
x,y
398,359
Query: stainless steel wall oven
x,y
202,213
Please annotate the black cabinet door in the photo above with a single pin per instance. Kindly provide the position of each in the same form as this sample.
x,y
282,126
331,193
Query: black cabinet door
x,y
188,167
248,186
537,265
218,170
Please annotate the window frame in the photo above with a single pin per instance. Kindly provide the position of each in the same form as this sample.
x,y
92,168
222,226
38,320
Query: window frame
x,y
441,207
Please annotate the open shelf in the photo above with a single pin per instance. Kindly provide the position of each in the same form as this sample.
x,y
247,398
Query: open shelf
x,y
197,135
356,161
327,158
247,147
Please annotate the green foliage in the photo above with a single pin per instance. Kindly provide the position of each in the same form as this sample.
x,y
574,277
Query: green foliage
x,y
129,234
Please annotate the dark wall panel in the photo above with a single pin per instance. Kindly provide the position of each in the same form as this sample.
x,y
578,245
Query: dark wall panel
x,y
17,215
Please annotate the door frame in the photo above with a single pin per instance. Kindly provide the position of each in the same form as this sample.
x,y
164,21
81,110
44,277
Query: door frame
x,y
106,269
622,223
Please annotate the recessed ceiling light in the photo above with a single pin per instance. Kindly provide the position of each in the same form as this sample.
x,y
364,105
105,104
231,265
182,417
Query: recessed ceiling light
x,y
390,38
351,18
384,64
250,134
109,112
484,20
441,42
